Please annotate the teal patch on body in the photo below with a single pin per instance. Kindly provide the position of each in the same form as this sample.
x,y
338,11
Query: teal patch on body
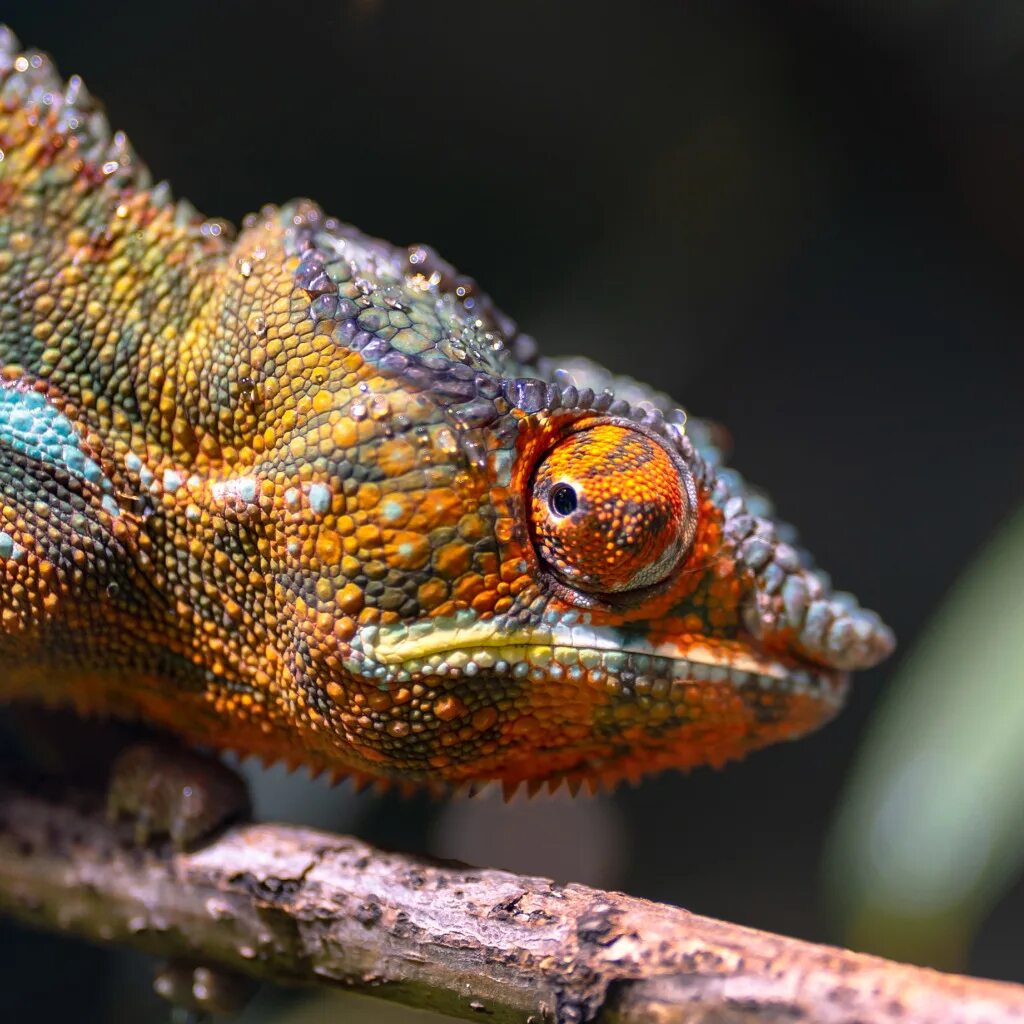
x,y
31,425
10,548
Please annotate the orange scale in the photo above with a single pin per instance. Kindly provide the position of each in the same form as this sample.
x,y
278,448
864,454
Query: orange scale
x,y
484,602
396,457
445,609
407,550
453,559
468,586
431,594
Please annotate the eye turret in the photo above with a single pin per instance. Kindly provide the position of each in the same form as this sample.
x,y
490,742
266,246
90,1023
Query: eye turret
x,y
611,509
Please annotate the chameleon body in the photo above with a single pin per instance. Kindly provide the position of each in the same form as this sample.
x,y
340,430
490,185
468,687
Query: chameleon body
x,y
306,495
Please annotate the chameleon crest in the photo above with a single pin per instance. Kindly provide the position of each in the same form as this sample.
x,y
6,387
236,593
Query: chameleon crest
x,y
310,496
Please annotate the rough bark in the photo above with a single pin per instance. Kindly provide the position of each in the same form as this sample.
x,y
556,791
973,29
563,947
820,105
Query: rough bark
x,y
294,905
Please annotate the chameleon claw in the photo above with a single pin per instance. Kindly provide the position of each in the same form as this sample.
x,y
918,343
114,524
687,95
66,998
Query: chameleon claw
x,y
173,792
196,991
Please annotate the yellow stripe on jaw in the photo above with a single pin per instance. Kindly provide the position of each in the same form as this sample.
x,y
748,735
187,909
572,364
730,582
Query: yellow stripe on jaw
x,y
398,645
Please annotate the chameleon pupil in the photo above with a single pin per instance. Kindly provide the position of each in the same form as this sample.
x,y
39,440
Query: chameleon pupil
x,y
563,500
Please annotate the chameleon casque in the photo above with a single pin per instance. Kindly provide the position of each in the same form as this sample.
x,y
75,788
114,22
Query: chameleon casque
x,y
306,495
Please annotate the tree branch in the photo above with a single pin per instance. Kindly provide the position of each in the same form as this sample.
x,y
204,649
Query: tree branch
x,y
293,905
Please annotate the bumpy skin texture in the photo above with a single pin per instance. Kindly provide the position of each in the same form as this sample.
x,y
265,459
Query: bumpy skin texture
x,y
293,494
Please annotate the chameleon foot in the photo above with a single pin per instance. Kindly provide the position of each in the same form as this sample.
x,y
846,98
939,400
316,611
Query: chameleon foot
x,y
195,991
174,792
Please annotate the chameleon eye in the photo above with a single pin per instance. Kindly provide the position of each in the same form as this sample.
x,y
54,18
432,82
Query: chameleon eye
x,y
611,509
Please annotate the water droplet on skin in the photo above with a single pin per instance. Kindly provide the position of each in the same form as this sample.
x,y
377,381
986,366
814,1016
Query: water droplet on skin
x,y
380,407
258,325
112,589
357,411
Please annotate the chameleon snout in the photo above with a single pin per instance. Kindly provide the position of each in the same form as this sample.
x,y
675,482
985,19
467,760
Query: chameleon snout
x,y
793,605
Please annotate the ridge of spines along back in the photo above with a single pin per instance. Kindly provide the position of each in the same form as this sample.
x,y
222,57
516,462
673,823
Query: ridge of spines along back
x,y
30,78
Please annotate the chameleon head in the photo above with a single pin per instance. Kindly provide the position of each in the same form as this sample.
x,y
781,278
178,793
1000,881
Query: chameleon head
x,y
486,575
645,614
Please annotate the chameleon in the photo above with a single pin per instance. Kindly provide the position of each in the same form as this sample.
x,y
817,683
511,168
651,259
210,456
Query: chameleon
x,y
302,494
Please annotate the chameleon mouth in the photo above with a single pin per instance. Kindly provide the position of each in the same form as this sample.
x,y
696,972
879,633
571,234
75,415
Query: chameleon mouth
x,y
460,700
626,665
583,705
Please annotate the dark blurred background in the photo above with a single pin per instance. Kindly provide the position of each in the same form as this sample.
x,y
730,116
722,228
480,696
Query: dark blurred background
x,y
803,219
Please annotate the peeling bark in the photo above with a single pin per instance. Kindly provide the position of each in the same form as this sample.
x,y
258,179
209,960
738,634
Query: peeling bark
x,y
297,906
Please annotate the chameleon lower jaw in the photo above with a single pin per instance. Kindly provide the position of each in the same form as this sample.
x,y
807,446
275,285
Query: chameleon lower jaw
x,y
536,714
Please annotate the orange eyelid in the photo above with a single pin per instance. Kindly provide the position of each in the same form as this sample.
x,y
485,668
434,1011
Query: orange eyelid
x,y
634,512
